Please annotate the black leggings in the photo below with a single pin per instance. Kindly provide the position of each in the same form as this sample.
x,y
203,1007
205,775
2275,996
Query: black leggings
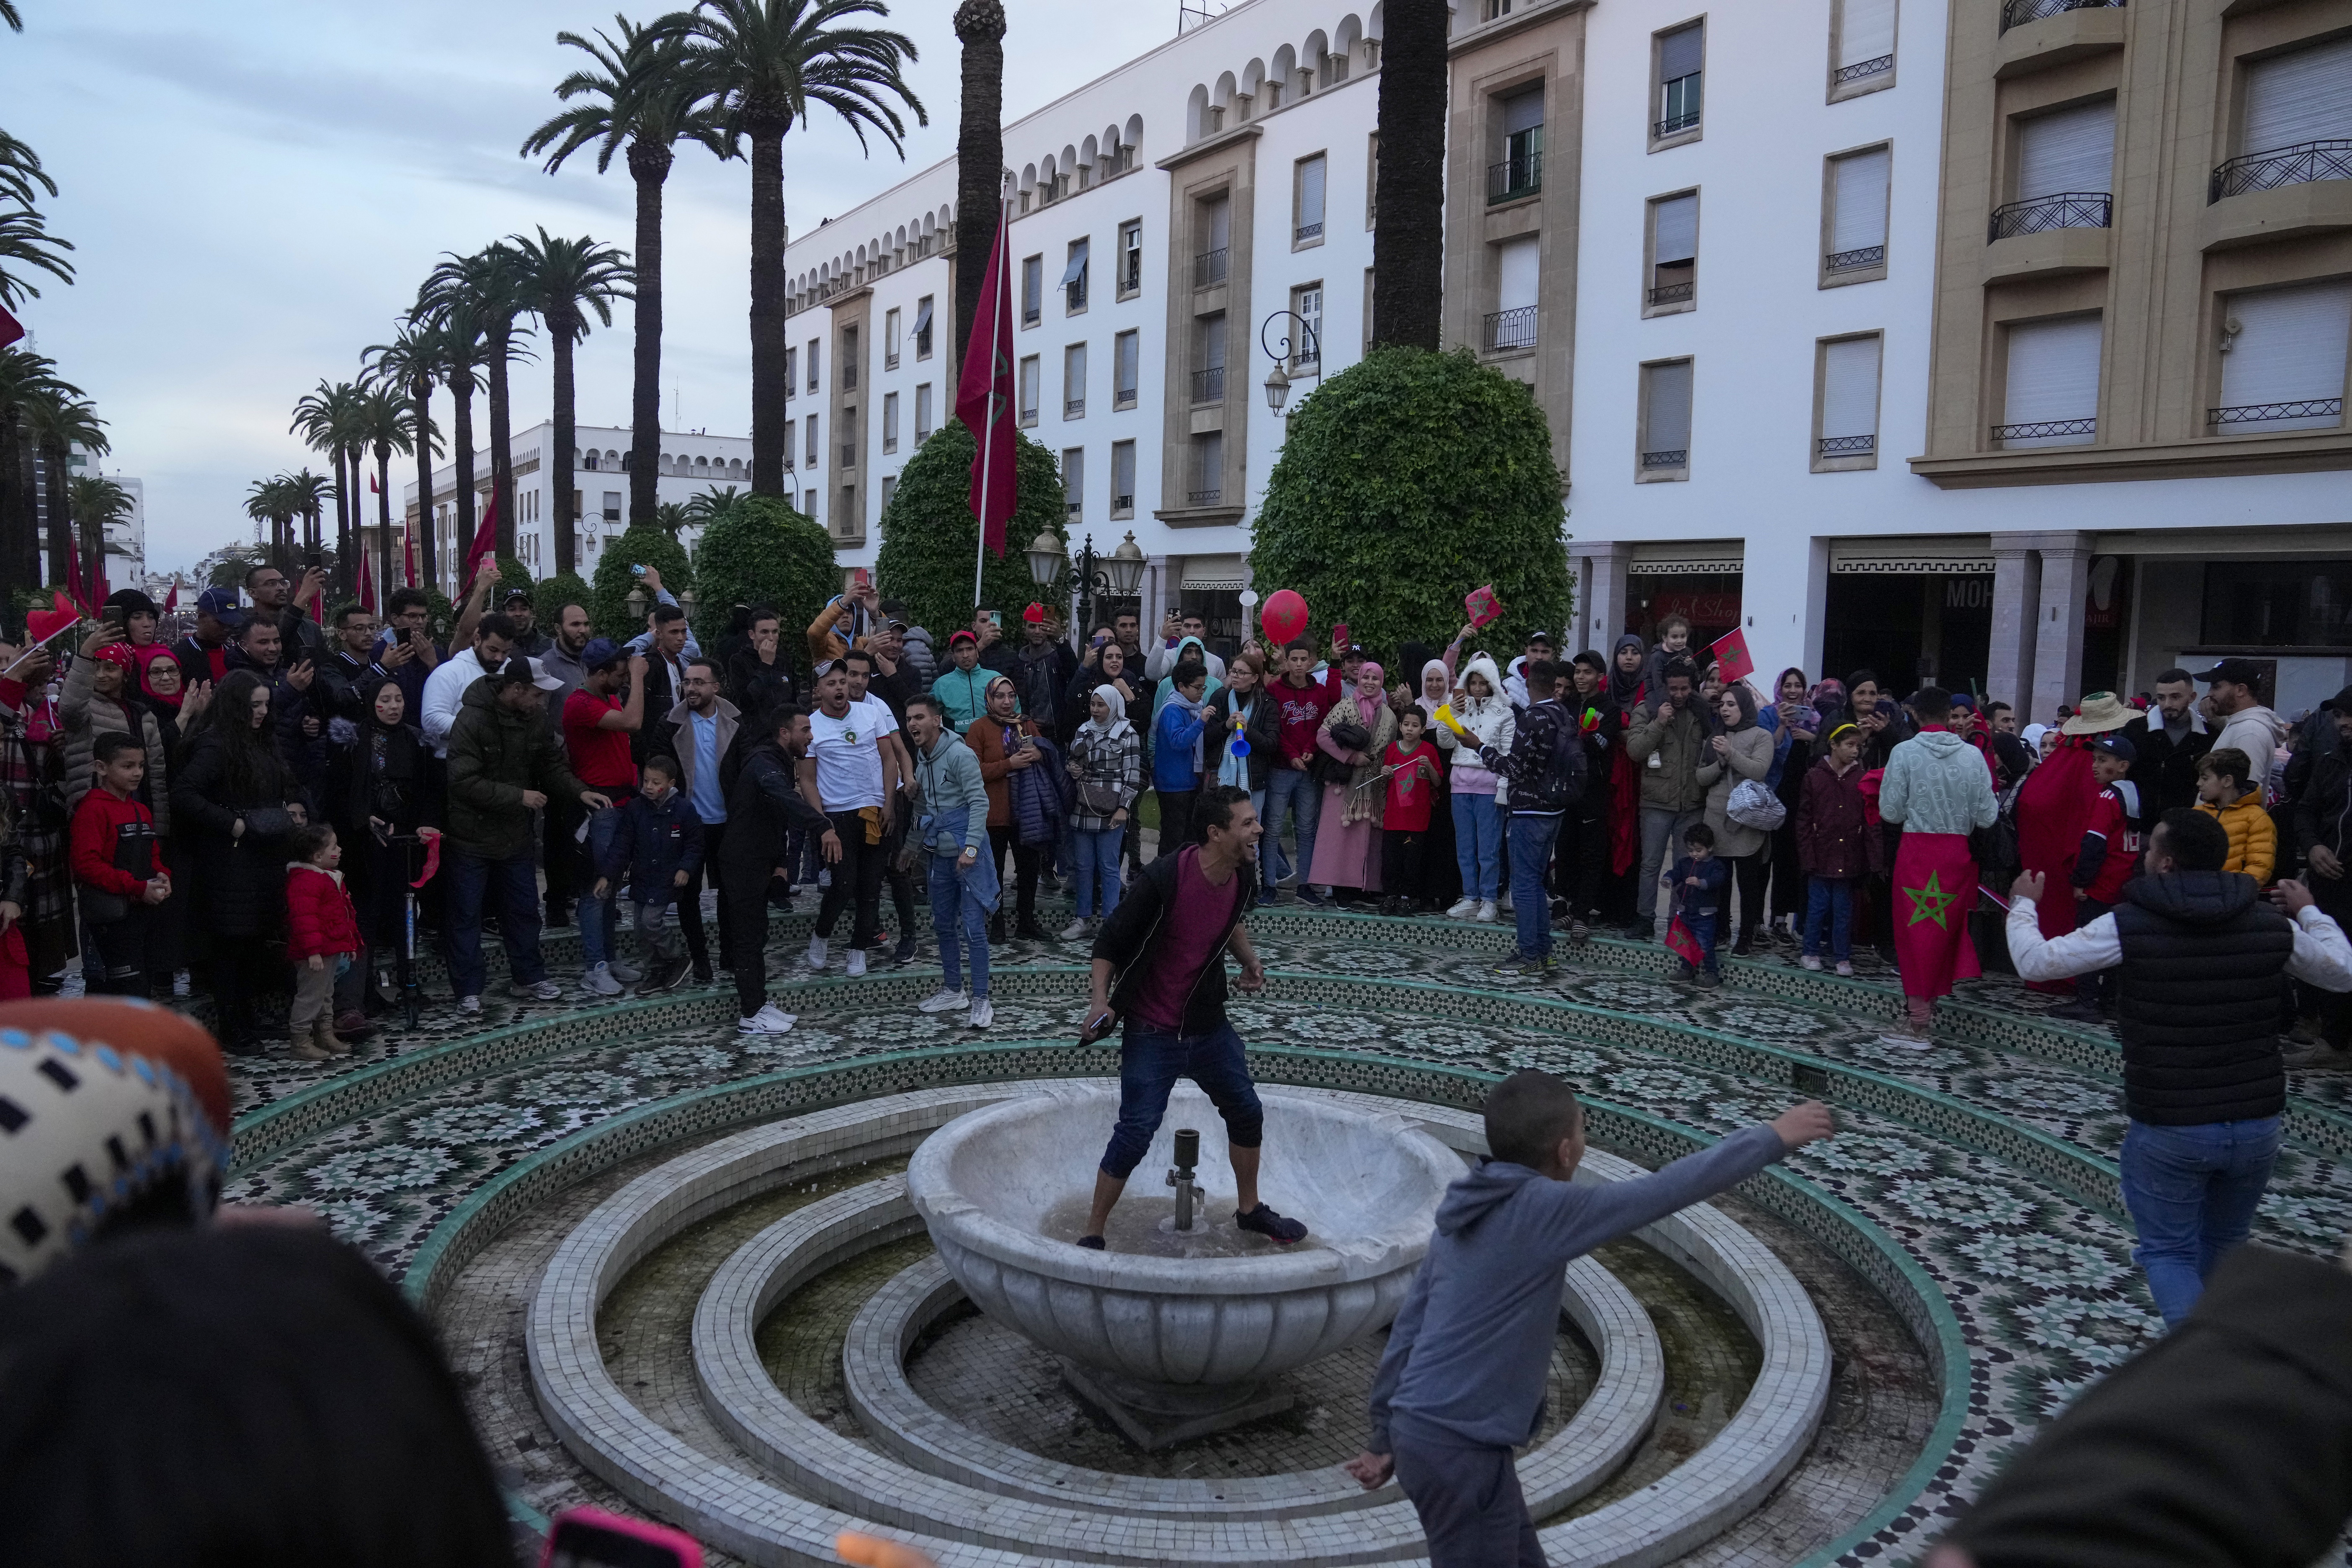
x,y
122,951
1749,870
744,903
1025,864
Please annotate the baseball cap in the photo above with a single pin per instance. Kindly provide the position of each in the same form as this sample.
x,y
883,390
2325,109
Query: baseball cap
x,y
2237,672
1543,637
516,597
520,670
600,652
221,605
2116,745
955,638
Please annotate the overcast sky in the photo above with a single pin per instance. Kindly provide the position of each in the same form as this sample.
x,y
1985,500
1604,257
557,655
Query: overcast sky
x,y
256,187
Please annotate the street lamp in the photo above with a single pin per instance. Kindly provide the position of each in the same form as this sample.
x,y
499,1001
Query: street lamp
x,y
1309,351
1114,576
1047,556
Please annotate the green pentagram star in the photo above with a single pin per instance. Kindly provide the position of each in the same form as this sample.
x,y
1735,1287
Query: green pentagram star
x,y
1928,903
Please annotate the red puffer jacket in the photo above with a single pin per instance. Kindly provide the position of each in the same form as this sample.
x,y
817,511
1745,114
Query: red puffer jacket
x,y
319,914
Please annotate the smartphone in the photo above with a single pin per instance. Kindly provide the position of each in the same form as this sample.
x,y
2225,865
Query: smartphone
x,y
996,619
861,576
636,571
591,1538
1339,635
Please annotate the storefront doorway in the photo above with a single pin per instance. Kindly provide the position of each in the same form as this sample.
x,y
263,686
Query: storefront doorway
x,y
1913,628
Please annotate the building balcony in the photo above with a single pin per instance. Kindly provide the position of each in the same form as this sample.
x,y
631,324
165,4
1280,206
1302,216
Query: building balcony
x,y
1209,267
1515,177
1305,232
1204,497
1675,125
2053,432
1862,70
1846,446
1667,457
1074,407
1683,293
1030,315
2280,166
1209,385
1855,260
2017,13
890,362
2040,215
1512,330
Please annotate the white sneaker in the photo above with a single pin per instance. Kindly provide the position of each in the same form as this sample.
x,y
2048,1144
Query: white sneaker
x,y
817,952
1076,930
626,973
942,1000
768,1020
469,1003
982,1015
1462,909
1810,961
824,878
856,962
180,986
1486,911
600,981
75,985
544,991
1845,969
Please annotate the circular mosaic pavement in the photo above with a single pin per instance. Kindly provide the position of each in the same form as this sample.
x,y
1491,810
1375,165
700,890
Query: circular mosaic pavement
x,y
678,1274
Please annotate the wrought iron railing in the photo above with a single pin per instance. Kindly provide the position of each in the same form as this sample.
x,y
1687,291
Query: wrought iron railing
x,y
1515,177
1674,293
1123,398
2017,13
1673,123
1209,385
1307,231
2268,171
1209,268
1861,256
2060,209
1672,457
1029,315
1512,328
1073,407
1862,71
2258,412
1203,498
2044,429
1846,446
1122,503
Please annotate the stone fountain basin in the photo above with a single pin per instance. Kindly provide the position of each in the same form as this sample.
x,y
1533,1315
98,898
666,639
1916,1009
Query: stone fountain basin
x,y
1366,1185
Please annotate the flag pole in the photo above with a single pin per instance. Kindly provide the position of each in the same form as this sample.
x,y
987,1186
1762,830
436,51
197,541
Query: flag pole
x,y
988,438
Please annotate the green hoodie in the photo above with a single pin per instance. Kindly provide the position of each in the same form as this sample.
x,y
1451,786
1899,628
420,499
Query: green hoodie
x,y
495,755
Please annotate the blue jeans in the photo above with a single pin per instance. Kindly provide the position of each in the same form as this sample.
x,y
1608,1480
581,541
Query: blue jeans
x,y
1829,901
960,904
1478,845
1096,862
1531,841
597,915
2192,1193
1151,1062
1290,791
518,884
1700,924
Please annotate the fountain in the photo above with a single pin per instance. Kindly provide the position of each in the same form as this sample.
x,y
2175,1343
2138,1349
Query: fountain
x,y
1180,1329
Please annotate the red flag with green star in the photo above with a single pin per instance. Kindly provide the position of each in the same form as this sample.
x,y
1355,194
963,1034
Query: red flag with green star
x,y
1935,890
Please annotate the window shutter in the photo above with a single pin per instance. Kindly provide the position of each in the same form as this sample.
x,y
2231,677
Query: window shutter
x,y
2305,96
2290,348
1680,52
1519,266
1850,388
2073,150
922,325
1220,223
1310,193
1866,31
1860,220
1669,422
1674,236
1523,111
2053,374
1076,269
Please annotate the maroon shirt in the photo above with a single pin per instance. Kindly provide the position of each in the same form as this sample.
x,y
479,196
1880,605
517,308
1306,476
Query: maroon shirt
x,y
1191,938
1303,710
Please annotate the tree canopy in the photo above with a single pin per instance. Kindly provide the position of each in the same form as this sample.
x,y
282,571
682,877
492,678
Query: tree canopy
x,y
930,537
758,550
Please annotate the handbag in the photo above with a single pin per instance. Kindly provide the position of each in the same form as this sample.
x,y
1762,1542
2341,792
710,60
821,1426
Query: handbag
x,y
269,822
1348,736
1753,805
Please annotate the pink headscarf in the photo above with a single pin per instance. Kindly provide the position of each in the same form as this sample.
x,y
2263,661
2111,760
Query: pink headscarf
x,y
1369,706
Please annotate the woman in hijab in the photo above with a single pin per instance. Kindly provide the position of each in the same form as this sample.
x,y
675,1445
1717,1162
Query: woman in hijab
x,y
1239,742
1001,738
1107,767
1794,727
229,795
383,797
1347,844
1482,719
1740,751
1625,690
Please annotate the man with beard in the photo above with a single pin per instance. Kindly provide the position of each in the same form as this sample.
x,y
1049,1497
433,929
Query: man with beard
x,y
763,809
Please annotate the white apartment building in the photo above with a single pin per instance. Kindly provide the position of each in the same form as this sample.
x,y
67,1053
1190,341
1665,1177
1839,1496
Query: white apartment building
x,y
691,462
126,537
1891,334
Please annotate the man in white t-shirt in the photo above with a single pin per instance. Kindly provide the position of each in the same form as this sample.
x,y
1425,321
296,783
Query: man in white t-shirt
x,y
444,688
851,776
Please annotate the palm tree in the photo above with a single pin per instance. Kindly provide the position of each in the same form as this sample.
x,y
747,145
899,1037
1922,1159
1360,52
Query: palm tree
x,y
26,379
671,518
489,285
637,92
94,502
56,422
702,511
1409,204
20,171
271,502
388,424
980,155
458,329
762,63
562,280
308,493
326,420
416,356
26,241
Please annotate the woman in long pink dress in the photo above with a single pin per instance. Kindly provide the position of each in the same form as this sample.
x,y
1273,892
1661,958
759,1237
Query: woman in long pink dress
x,y
1348,844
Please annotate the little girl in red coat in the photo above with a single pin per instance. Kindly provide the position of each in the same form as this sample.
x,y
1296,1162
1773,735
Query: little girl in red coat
x,y
322,939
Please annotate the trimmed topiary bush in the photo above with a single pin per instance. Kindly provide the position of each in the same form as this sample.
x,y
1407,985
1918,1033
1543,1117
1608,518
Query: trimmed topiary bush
x,y
563,588
637,546
761,550
929,536
1408,479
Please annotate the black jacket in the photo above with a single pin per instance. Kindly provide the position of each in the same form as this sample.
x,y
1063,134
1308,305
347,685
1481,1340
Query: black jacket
x,y
2166,771
240,879
1043,680
1545,766
1263,733
2227,1441
763,800
2204,957
1128,941
2323,803
1600,724
754,688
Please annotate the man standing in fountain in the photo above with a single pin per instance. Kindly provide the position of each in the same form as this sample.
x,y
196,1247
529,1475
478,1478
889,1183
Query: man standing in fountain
x,y
1159,965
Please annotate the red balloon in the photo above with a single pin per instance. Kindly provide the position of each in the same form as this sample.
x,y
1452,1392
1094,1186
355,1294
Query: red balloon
x,y
1284,617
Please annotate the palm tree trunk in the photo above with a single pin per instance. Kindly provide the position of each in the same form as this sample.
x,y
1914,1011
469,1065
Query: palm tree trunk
x,y
1409,206
52,480
20,553
980,160
766,311
560,337
427,557
461,446
382,525
649,165
349,551
503,442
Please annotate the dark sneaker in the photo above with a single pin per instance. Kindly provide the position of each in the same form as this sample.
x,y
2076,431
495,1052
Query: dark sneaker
x,y
1262,1221
1091,1243
2318,1054
905,955
1312,899
1266,898
1710,978
1520,964
666,975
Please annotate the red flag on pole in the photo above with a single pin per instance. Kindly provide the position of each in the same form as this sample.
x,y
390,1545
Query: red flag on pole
x,y
366,593
984,396
172,600
11,329
485,540
1731,654
408,554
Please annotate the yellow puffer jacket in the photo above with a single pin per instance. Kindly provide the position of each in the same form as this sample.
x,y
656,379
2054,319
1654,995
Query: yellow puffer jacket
x,y
2253,838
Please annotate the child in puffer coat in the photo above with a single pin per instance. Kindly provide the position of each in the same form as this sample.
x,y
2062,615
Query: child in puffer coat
x,y
2225,790
657,846
1834,837
322,939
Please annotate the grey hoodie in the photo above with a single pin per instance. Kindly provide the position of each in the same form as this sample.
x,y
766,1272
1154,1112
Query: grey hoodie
x,y
1468,1356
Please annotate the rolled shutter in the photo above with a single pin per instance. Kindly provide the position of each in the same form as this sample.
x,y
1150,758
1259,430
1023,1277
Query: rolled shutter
x,y
1850,388
1310,193
1675,231
1866,31
1523,111
1680,53
2073,150
2289,348
2054,375
1859,221
2305,96
1669,415
1519,271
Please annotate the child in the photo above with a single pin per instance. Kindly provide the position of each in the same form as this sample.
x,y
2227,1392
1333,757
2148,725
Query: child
x,y
1674,643
1699,880
1462,1381
658,844
1176,751
1412,765
2108,858
2226,789
322,939
1833,846
118,868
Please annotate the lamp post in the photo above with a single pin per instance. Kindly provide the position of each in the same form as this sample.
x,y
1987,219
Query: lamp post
x,y
1309,351
1113,576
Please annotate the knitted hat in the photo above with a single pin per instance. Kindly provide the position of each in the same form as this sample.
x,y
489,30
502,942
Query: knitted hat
x,y
2100,713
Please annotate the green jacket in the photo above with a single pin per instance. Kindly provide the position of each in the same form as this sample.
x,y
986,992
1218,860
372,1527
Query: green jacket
x,y
495,755
965,691
1680,746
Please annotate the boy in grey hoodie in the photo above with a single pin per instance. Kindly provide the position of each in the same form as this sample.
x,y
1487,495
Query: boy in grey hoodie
x,y
1462,1382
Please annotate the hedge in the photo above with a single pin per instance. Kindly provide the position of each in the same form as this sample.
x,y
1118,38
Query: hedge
x,y
638,545
929,536
759,550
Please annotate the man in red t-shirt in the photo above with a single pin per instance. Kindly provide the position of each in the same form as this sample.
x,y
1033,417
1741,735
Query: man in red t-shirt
x,y
597,725
2109,855
1291,786
1160,964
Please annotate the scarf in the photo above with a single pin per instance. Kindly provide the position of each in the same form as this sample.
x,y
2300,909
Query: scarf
x,y
1422,698
1369,706
1624,686
1176,698
1233,763
1107,729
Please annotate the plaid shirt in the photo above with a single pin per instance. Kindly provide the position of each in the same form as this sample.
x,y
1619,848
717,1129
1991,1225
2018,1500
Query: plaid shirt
x,y
30,773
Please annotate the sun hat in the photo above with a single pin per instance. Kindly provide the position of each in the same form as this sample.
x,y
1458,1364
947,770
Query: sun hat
x,y
2100,713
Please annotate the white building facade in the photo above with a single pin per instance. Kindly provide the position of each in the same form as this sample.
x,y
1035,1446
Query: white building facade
x,y
1888,334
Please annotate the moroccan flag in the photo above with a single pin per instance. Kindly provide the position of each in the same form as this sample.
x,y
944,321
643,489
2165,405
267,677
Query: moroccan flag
x,y
1935,887
408,554
366,590
11,329
984,395
1731,652
77,591
485,540
172,600
1684,946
